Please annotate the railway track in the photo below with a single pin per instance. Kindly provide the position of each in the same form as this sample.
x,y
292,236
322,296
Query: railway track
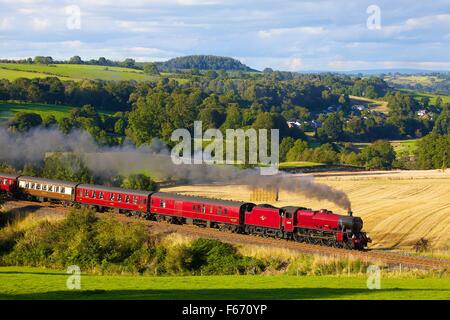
x,y
391,259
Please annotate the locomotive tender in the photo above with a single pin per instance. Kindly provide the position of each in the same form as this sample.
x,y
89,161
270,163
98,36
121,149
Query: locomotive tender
x,y
297,223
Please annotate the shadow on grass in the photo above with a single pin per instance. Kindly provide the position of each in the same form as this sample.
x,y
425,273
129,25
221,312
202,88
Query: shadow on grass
x,y
216,294
17,213
34,273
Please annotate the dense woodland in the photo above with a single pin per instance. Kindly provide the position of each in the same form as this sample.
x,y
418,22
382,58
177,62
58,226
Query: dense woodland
x,y
142,111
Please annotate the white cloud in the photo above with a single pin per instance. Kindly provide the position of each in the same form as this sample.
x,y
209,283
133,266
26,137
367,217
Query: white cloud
x,y
6,23
39,23
290,31
76,44
139,27
441,21
343,64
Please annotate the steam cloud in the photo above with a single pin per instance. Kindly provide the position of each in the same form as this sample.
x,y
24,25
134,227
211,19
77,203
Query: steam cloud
x,y
155,158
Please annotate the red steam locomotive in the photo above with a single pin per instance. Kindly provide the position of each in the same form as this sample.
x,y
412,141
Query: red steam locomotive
x,y
297,223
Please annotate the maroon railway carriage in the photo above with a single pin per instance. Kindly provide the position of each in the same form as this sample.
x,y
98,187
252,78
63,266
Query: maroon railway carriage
x,y
223,214
124,200
8,182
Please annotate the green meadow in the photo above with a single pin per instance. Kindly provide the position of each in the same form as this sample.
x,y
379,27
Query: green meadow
x,y
35,283
76,72
419,95
8,109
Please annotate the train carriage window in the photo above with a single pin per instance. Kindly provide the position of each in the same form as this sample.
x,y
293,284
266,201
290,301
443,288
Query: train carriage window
x,y
86,193
94,195
210,210
100,196
193,207
27,185
162,204
111,196
288,215
5,181
145,201
32,186
127,199
44,187
50,189
219,211
135,200
119,198
152,202
225,211
62,190
38,186
203,208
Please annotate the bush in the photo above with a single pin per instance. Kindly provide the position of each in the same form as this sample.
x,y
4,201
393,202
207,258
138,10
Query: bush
x,y
84,240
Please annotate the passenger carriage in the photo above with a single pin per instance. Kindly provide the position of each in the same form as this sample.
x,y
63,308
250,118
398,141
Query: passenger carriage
x,y
124,200
47,189
223,214
8,182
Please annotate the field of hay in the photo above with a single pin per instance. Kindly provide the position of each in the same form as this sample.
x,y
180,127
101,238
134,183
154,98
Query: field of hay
x,y
377,105
398,207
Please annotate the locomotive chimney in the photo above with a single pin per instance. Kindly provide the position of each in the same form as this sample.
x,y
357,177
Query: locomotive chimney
x,y
350,213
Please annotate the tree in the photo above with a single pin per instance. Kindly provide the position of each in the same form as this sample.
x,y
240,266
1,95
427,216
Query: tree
x,y
139,182
151,69
425,101
68,167
65,125
432,151
24,121
378,155
234,118
442,124
294,154
439,102
129,63
49,120
76,60
102,61
331,128
285,145
146,119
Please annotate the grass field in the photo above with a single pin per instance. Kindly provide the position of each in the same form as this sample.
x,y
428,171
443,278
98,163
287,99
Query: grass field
x,y
419,95
398,207
299,164
413,79
34,283
7,110
12,71
404,145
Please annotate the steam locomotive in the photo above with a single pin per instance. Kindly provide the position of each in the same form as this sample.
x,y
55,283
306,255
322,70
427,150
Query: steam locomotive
x,y
297,223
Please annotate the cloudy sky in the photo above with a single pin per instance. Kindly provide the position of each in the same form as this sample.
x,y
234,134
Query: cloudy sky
x,y
290,35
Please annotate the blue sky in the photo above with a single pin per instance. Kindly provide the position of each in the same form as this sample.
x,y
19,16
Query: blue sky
x,y
284,34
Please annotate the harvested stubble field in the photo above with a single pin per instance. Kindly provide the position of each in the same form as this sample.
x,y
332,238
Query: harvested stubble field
x,y
398,207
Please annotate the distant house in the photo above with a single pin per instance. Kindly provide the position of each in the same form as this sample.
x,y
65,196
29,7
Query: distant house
x,y
422,112
359,107
294,123
315,124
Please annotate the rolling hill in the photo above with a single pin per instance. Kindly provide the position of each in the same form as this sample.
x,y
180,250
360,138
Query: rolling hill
x,y
204,62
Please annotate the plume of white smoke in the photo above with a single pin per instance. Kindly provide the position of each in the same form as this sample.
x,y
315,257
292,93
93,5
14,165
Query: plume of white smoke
x,y
154,158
